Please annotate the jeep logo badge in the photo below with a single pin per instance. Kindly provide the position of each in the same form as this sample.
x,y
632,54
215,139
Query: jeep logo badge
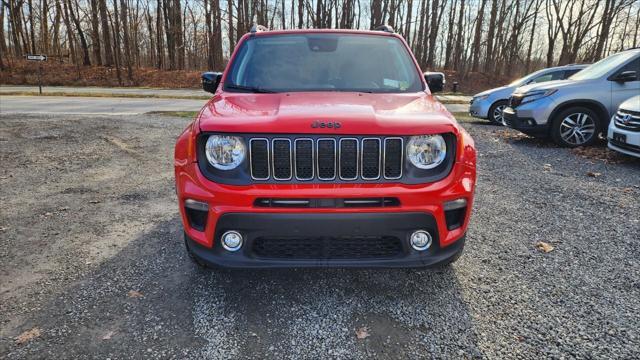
x,y
326,125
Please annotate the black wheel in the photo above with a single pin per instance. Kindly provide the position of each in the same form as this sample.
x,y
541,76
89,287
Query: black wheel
x,y
575,126
495,112
193,258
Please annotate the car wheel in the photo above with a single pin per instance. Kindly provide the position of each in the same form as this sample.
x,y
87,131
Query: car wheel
x,y
576,126
495,112
193,258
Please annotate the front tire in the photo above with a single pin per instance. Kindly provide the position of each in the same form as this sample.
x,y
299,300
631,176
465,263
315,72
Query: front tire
x,y
495,112
576,126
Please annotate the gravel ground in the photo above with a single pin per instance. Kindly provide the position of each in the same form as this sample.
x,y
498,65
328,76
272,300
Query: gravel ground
x,y
92,262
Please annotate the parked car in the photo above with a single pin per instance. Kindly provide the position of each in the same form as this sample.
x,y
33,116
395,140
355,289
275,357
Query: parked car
x,y
574,112
490,104
624,129
324,148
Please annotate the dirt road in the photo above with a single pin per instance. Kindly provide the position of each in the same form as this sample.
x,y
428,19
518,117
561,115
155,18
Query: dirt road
x,y
92,262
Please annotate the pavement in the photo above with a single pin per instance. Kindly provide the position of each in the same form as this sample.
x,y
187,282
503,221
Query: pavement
x,y
172,100
10,104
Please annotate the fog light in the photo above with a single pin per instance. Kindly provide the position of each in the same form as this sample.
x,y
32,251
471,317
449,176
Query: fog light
x,y
231,241
421,240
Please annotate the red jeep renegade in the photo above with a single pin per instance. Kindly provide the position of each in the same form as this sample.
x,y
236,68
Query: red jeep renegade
x,y
324,148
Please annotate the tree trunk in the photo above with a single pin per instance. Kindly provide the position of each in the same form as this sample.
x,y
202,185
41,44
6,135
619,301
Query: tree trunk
x,y
490,36
106,36
95,32
127,42
159,35
44,26
86,60
478,37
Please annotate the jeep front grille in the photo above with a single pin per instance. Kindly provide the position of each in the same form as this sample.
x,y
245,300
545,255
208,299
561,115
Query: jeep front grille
x,y
628,120
326,159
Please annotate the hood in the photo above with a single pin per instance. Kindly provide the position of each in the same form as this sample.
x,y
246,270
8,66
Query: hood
x,y
497,91
356,113
556,84
632,104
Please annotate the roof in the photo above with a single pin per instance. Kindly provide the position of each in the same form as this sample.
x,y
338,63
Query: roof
x,y
323,31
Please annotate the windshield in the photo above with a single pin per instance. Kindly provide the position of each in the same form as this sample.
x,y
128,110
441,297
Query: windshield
x,y
603,66
526,78
323,62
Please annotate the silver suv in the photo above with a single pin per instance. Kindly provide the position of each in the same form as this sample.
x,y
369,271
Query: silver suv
x,y
490,104
573,112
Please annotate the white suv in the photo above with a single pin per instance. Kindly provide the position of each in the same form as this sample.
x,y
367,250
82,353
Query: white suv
x,y
624,129
573,112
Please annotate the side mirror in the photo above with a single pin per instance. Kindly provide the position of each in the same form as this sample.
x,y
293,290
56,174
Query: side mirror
x,y
626,76
210,81
435,81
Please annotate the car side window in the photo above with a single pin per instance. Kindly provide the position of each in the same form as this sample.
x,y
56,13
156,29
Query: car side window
x,y
568,73
556,75
631,66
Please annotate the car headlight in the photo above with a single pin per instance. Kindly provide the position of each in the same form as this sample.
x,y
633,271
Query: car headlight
x,y
426,151
480,98
537,95
225,152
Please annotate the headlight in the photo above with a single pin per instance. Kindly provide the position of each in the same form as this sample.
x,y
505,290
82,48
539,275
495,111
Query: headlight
x,y
537,95
481,97
225,152
426,151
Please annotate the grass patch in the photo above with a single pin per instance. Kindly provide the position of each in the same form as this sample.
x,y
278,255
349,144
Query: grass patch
x,y
180,114
106,95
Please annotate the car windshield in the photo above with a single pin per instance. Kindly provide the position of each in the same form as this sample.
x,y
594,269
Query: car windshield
x,y
603,66
523,80
323,62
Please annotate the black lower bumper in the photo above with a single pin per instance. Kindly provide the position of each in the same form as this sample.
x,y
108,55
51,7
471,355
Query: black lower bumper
x,y
369,240
524,125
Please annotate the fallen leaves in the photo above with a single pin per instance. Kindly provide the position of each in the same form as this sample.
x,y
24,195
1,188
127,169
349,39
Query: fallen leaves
x,y
593,174
544,247
108,335
27,336
135,294
507,135
600,153
362,333
3,228
547,167
94,201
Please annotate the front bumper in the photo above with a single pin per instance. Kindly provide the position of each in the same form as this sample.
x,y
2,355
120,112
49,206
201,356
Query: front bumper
x,y
524,122
234,207
630,145
325,240
479,108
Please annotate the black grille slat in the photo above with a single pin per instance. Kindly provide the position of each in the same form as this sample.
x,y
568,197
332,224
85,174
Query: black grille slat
x,y
370,159
327,248
348,159
393,158
281,158
259,159
326,159
304,159
299,158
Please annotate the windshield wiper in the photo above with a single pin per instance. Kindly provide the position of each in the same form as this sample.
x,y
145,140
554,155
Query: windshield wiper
x,y
253,89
